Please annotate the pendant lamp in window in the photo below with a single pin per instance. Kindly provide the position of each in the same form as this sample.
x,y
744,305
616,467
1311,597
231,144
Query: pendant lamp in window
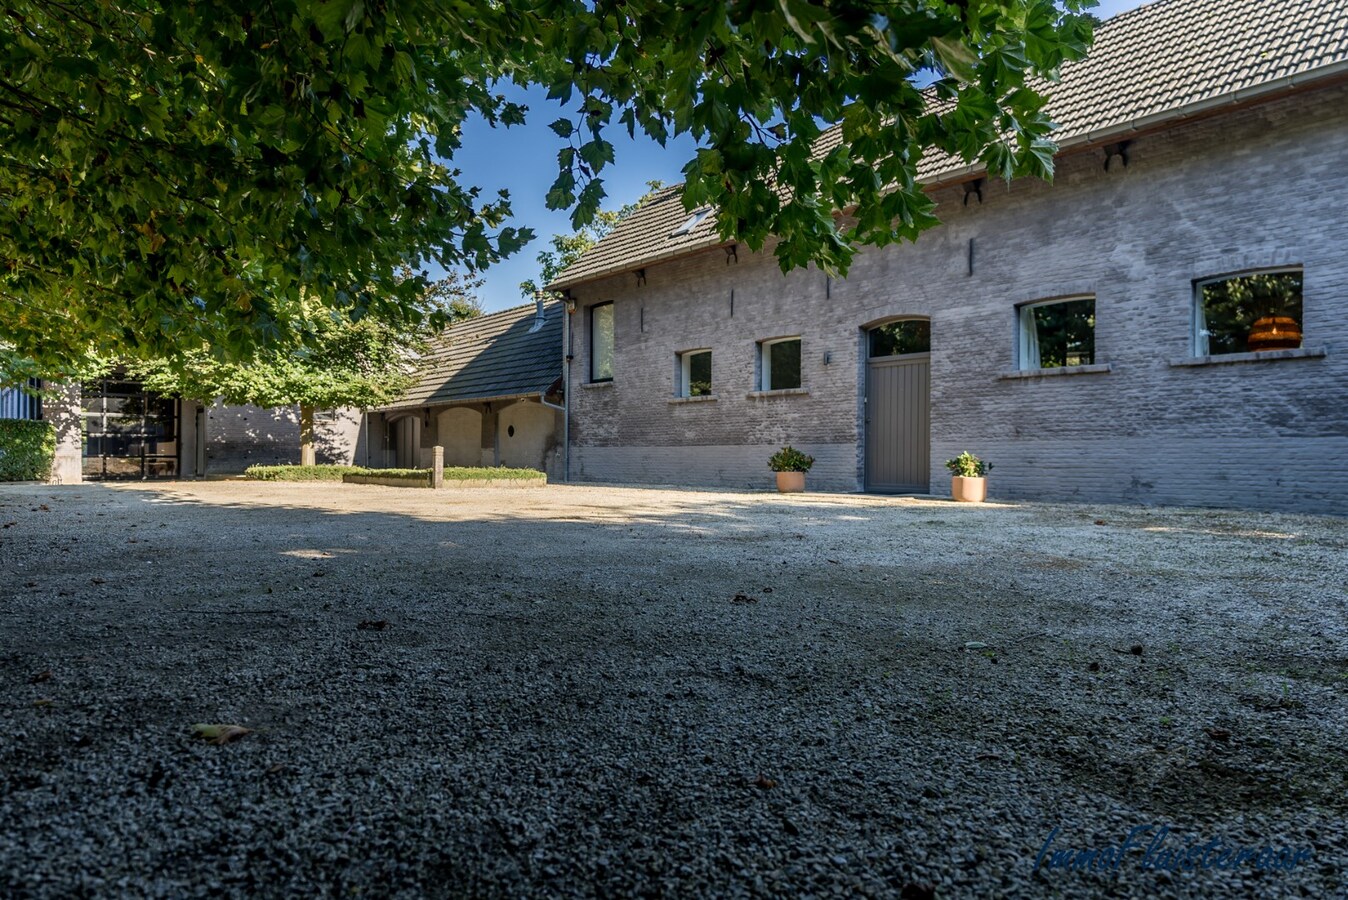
x,y
1274,333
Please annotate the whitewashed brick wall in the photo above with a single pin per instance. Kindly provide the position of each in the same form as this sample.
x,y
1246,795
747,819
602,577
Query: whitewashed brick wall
x,y
241,436
1259,187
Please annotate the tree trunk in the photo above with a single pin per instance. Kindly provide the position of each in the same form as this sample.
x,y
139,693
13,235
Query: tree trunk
x,y
307,455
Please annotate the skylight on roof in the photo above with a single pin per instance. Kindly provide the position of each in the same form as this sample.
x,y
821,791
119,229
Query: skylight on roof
x,y
693,221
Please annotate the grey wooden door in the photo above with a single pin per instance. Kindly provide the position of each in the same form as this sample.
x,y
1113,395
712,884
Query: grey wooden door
x,y
407,446
898,423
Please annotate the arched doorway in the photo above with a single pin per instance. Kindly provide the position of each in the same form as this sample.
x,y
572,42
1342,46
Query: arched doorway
x,y
459,430
898,407
525,433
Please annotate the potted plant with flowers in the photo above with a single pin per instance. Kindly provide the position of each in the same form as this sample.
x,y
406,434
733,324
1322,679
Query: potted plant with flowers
x,y
790,465
968,481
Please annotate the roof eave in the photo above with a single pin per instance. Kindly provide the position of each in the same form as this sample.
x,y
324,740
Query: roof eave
x,y
452,401
1268,90
1265,91
662,256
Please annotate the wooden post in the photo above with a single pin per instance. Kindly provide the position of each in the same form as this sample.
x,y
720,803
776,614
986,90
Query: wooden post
x,y
437,466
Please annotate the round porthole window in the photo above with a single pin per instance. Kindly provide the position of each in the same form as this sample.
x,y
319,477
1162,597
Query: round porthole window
x,y
511,431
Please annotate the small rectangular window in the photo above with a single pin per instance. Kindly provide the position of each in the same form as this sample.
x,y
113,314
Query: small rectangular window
x,y
1057,333
1246,313
781,364
695,373
601,342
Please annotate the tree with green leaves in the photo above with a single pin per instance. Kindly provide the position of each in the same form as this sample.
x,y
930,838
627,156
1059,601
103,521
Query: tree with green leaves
x,y
564,249
452,298
340,364
175,175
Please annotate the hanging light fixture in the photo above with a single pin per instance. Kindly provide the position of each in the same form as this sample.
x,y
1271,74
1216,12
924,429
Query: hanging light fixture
x,y
1274,333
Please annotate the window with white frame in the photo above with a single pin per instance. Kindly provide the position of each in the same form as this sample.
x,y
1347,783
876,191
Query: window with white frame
x,y
1057,333
695,373
601,342
779,364
1248,312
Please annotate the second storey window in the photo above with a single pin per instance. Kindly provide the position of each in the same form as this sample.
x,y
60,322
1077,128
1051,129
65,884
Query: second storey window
x,y
1057,333
780,364
695,373
601,342
1247,313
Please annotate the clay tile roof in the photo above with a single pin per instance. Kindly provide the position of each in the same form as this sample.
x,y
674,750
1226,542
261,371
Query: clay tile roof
x,y
491,357
1163,61
647,235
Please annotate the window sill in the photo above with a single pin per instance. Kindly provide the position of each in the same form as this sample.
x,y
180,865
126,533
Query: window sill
x,y
1257,356
705,398
1097,369
780,392
591,385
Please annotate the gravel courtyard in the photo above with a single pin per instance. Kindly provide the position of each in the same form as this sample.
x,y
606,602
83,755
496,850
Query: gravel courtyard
x,y
614,692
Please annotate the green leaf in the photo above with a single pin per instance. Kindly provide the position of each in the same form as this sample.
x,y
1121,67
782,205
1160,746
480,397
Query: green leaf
x,y
597,153
331,17
957,57
189,183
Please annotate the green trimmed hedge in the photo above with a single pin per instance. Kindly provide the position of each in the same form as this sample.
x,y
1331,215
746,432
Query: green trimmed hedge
x,y
27,450
335,473
300,473
470,473
407,474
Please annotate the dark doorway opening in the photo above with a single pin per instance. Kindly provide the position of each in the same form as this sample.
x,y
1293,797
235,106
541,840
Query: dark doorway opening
x,y
129,432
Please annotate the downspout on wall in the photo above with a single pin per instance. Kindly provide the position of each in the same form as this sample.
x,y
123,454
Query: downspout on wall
x,y
565,407
561,408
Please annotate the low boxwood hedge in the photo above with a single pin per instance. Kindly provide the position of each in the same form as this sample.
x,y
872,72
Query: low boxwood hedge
x,y
300,473
486,473
335,473
408,474
27,450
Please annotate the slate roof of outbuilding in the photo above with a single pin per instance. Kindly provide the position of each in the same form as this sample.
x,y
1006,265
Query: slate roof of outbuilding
x,y
491,357
1164,61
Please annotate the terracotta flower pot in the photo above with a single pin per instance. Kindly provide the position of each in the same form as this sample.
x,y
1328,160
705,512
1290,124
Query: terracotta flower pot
x,y
790,482
968,490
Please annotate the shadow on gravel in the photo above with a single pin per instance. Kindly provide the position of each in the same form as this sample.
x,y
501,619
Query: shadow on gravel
x,y
613,691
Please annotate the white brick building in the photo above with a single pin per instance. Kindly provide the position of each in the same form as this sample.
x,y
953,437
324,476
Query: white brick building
x,y
1203,162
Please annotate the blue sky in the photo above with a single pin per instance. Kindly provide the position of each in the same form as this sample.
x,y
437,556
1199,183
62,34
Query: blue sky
x,y
523,160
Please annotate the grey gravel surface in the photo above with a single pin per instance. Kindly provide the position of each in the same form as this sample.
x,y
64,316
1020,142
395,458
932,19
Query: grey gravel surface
x,y
593,691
